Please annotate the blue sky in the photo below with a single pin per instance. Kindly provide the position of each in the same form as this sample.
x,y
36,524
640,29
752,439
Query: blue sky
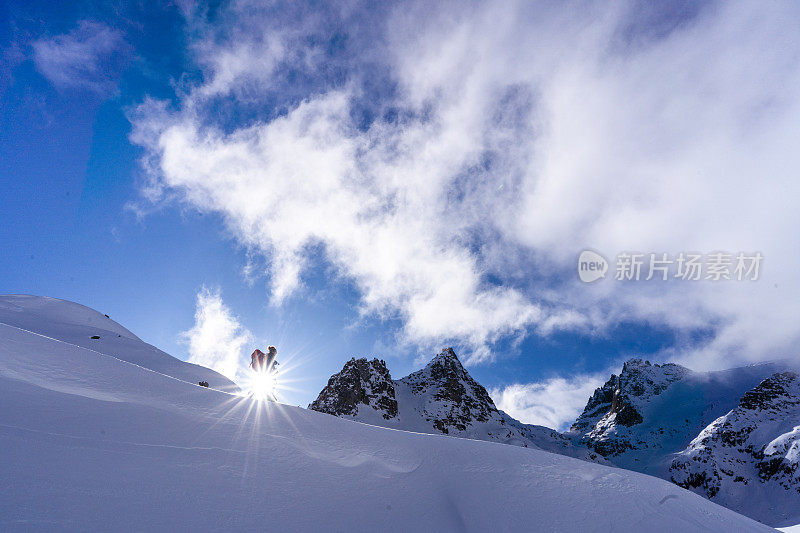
x,y
345,180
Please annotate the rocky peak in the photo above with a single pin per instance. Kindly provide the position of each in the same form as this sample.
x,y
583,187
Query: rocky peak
x,y
444,368
774,393
623,396
639,378
599,405
638,381
444,394
772,398
447,358
755,445
360,382
453,400
445,373
440,398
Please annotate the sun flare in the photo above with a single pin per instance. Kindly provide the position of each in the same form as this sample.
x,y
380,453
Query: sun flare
x,y
263,385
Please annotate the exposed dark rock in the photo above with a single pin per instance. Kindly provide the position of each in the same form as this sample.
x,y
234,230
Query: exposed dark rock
x,y
458,400
361,382
768,392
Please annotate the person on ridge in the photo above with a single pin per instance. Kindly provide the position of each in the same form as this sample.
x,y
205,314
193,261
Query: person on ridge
x,y
257,360
261,362
271,365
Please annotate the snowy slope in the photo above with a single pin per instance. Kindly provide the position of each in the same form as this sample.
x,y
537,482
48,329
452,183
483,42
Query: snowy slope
x,y
749,459
440,398
76,324
92,442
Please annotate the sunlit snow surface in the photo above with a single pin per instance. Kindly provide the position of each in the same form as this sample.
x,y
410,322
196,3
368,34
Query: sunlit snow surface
x,y
111,435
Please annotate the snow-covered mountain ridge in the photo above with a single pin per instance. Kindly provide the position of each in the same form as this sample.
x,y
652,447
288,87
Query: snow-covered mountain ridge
x,y
748,459
440,398
730,435
97,440
639,420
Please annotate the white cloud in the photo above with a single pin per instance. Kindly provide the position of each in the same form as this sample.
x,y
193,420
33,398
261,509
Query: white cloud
x,y
217,340
554,403
89,57
528,132
299,180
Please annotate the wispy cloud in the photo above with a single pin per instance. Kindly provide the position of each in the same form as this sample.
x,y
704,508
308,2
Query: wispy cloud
x,y
500,140
218,340
554,403
89,57
10,57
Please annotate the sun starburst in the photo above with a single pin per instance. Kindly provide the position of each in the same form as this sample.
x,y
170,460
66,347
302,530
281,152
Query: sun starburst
x,y
263,385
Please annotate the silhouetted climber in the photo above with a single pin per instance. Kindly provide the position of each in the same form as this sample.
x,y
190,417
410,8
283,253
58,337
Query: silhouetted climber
x,y
256,360
261,362
271,363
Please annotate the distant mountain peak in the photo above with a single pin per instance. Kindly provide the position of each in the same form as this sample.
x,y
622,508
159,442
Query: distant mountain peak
x,y
360,382
731,435
446,363
755,445
620,399
442,397
446,356
454,399
665,372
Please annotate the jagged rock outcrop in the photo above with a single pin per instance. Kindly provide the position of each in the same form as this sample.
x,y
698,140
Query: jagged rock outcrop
x,y
440,398
748,459
360,383
598,406
453,401
619,404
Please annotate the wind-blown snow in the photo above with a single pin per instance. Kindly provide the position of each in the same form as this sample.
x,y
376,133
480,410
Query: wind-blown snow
x,y
93,439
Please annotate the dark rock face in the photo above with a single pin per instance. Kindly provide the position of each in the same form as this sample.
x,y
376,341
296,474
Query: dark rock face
x,y
361,382
641,379
598,405
455,399
627,415
771,394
